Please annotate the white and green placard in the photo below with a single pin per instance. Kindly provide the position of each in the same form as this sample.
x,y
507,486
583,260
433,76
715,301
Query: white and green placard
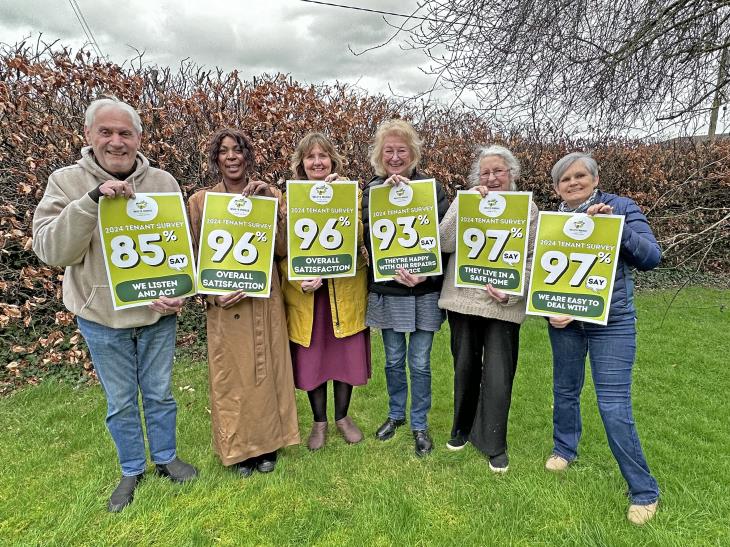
x,y
404,229
147,248
574,265
236,247
491,240
322,221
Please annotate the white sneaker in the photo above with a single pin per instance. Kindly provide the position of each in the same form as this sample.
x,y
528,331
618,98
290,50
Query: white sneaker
x,y
556,463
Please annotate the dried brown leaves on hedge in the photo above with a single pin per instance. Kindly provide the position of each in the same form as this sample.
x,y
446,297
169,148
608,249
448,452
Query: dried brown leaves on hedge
x,y
684,187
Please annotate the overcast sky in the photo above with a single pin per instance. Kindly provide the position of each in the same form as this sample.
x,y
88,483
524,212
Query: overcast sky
x,y
306,40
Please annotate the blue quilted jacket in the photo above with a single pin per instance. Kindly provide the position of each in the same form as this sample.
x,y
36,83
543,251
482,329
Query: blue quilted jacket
x,y
639,249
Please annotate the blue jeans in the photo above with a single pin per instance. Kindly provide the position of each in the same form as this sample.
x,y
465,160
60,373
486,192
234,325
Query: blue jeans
x,y
129,361
418,350
611,350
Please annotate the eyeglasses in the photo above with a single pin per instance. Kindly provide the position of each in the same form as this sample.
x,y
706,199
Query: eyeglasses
x,y
393,152
498,173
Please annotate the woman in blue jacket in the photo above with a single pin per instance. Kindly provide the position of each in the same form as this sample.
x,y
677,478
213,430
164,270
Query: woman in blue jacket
x,y
611,348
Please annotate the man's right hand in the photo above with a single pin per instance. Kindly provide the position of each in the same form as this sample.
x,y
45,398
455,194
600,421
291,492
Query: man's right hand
x,y
114,188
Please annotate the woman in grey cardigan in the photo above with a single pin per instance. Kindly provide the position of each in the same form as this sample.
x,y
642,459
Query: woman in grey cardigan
x,y
485,327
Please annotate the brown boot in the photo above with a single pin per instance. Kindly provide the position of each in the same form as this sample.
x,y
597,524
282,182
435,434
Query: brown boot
x,y
349,430
318,436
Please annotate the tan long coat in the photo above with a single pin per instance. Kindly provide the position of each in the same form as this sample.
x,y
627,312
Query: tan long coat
x,y
253,410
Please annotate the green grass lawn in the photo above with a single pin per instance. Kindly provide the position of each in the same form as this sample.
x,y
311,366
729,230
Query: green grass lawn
x,y
59,465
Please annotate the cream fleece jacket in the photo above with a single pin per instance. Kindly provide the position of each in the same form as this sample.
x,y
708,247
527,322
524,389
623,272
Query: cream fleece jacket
x,y
477,301
66,233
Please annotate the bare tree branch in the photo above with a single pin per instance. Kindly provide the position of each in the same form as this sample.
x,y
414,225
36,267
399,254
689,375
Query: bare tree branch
x,y
577,66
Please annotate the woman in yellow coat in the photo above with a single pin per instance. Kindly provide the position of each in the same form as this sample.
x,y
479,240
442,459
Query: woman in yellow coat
x,y
326,317
253,408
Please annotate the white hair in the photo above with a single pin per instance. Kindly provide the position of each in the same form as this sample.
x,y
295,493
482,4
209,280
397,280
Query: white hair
x,y
494,150
116,103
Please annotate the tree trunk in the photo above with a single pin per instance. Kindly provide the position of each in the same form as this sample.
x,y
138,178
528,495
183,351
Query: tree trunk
x,y
719,95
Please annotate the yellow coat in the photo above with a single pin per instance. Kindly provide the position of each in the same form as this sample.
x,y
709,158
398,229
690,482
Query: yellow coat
x,y
348,302
348,299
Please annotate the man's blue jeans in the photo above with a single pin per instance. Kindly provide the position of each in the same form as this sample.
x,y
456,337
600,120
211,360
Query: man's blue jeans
x,y
418,350
611,350
128,361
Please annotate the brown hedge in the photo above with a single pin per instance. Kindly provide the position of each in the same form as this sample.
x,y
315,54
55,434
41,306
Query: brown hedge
x,y
683,186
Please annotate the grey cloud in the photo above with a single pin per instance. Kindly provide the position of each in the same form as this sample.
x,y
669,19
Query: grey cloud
x,y
58,20
307,41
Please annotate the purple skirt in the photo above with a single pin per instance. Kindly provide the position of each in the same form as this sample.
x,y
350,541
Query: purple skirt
x,y
328,358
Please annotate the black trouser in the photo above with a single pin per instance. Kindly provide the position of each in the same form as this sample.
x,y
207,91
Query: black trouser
x,y
485,361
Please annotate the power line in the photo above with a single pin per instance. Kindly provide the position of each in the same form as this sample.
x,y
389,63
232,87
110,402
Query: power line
x,y
357,8
85,27
380,12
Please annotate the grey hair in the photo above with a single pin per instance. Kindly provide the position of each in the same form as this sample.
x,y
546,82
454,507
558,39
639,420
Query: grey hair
x,y
112,101
494,150
564,163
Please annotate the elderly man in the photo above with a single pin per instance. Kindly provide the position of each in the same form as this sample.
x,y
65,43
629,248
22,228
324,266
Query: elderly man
x,y
132,349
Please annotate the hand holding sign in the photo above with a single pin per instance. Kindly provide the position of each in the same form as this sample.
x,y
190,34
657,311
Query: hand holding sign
x,y
560,321
404,277
599,209
311,285
394,180
229,300
256,187
116,188
165,305
500,296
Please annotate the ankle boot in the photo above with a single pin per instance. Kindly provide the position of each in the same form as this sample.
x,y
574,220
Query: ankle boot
x,y
318,436
349,430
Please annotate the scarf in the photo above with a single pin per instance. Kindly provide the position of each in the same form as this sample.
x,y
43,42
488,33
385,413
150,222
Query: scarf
x,y
583,207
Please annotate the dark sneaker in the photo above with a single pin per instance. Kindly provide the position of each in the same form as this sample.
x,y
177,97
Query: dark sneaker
x,y
246,467
499,463
457,442
387,430
177,471
266,462
424,444
124,493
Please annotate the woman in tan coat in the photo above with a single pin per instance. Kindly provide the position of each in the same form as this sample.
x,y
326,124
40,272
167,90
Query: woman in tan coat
x,y
253,409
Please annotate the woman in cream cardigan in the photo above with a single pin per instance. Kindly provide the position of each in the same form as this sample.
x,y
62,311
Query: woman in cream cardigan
x,y
485,327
